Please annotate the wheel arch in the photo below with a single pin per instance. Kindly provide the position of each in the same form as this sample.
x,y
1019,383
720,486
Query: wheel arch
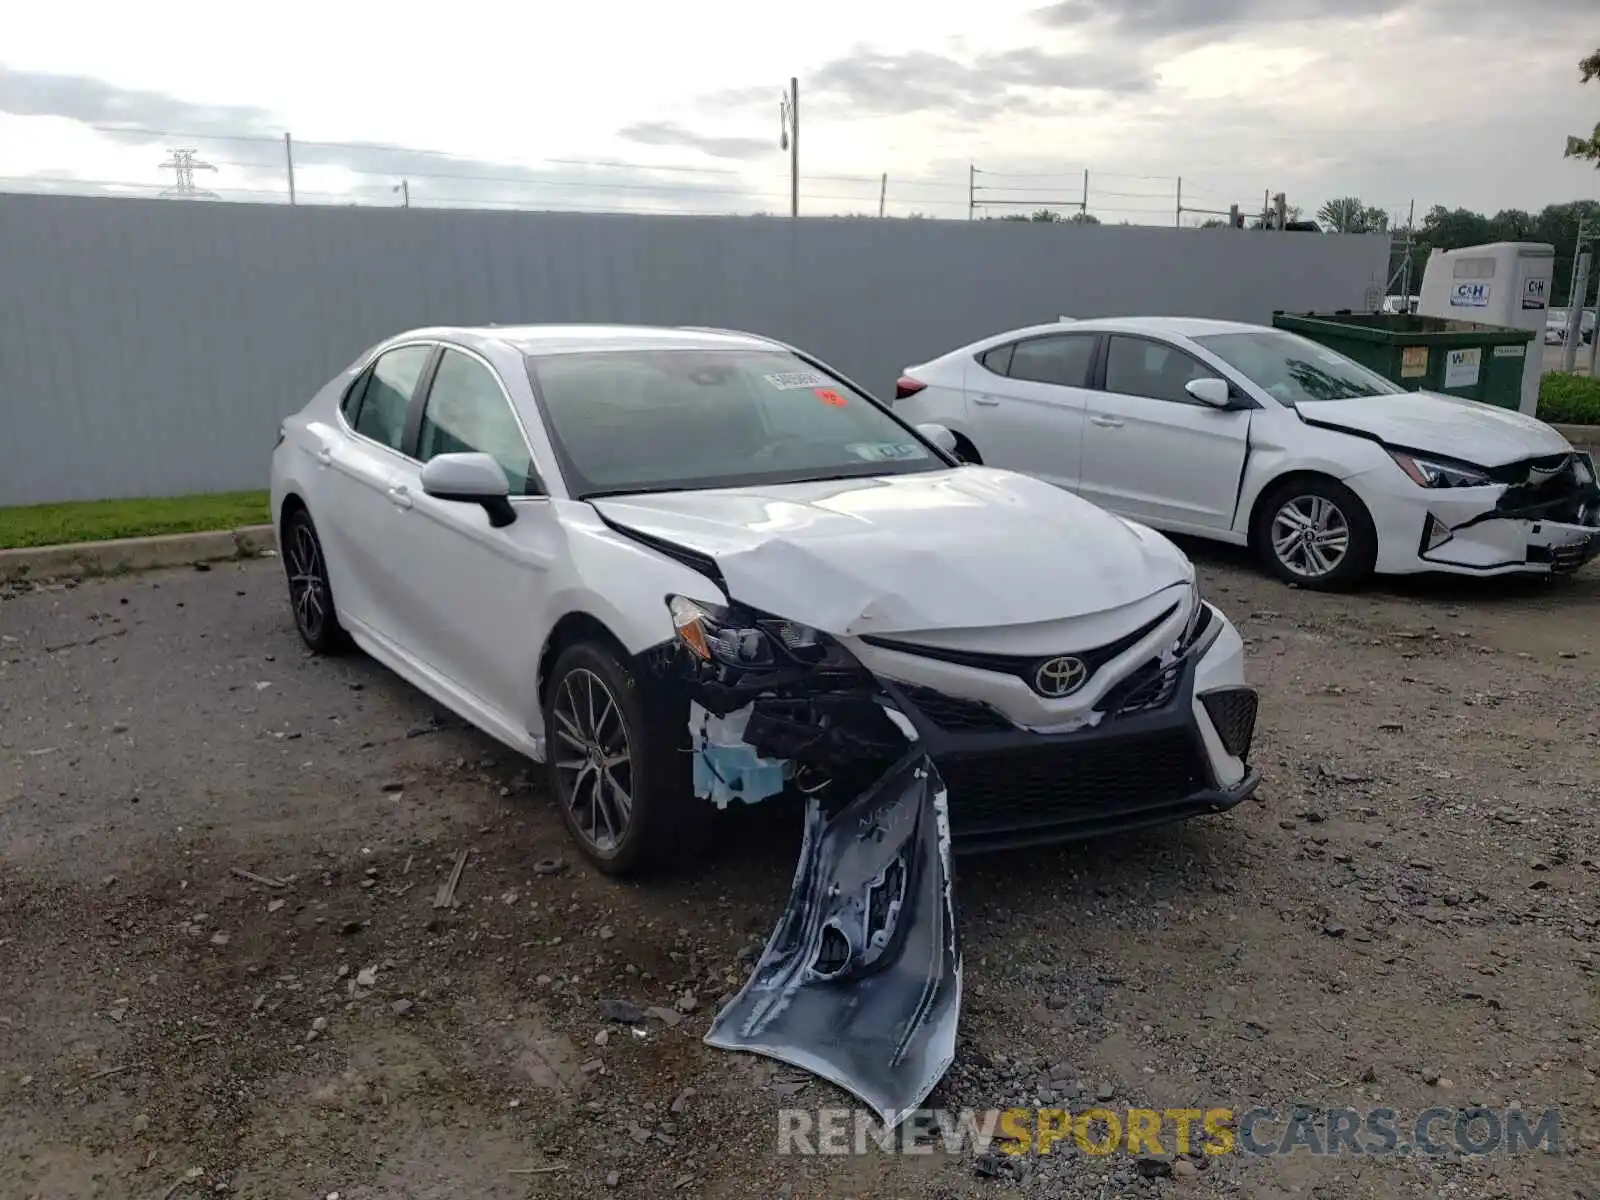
x,y
291,504
1278,483
571,628
965,448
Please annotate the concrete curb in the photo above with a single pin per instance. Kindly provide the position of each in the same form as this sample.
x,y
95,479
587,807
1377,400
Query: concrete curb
x,y
86,559
1583,437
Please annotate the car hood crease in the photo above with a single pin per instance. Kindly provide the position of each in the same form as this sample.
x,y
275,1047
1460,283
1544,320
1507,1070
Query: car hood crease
x,y
967,548
1427,423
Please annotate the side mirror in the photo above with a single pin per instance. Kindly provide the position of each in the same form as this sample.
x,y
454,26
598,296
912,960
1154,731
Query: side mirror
x,y
939,436
1214,392
470,479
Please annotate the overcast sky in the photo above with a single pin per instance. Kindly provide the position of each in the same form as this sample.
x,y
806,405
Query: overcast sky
x,y
1455,102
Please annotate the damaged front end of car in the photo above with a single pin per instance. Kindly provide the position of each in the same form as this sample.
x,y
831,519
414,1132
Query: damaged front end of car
x,y
860,982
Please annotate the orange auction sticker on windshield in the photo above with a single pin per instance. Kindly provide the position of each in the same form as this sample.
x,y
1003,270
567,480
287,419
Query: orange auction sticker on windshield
x,y
830,397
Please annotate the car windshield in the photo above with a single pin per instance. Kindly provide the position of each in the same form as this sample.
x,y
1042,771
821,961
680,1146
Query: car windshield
x,y
1295,370
667,420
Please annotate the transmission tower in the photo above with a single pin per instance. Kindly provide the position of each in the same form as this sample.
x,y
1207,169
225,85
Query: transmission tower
x,y
184,164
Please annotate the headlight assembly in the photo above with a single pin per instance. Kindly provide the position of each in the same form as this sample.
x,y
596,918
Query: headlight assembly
x,y
732,637
1435,473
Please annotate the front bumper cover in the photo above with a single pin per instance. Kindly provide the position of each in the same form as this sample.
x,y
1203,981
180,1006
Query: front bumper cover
x,y
1547,526
860,983
1011,788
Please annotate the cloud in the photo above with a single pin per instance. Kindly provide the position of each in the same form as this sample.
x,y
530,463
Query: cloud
x,y
247,143
96,102
1185,18
989,85
669,133
1188,20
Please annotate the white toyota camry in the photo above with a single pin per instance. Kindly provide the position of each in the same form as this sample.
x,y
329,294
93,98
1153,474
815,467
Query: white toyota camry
x,y
676,563
1260,437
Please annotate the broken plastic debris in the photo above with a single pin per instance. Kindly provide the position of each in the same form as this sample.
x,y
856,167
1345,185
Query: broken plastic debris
x,y
726,767
860,983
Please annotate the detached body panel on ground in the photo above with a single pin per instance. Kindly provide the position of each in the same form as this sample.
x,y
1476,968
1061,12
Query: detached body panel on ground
x,y
1327,469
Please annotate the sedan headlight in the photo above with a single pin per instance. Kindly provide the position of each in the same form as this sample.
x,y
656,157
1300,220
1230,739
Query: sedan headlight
x,y
734,637
1434,473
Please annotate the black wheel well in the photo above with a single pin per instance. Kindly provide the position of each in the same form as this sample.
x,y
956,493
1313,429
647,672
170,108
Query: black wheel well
x,y
569,630
1272,489
966,450
291,504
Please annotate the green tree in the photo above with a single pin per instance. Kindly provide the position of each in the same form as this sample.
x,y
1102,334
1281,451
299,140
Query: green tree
x,y
1348,215
1587,147
1083,218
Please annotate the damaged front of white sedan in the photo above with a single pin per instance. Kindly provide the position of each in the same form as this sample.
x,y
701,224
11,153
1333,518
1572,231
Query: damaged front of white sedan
x,y
750,581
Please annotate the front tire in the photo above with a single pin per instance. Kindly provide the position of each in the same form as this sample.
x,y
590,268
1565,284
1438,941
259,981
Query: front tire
x,y
310,595
1315,532
616,767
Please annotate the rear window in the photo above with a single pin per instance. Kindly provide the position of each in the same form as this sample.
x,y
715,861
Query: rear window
x,y
667,420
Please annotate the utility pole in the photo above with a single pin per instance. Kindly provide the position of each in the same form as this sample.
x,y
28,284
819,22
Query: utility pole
x,y
972,192
1084,207
183,164
288,158
789,139
883,192
1575,302
1180,202
404,188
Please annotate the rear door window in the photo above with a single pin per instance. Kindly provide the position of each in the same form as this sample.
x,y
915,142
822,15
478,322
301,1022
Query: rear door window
x,y
1062,359
393,381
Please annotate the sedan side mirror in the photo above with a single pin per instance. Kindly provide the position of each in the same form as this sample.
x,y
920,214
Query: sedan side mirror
x,y
939,436
473,478
1214,392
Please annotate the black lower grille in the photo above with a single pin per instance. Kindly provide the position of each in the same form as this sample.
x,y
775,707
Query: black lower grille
x,y
1068,781
1233,712
954,713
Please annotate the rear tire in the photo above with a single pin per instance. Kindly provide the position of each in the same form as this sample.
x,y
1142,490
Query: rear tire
x,y
617,761
310,595
1315,533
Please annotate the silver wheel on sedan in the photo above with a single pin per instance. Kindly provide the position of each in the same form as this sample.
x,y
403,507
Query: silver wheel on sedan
x,y
594,763
1310,536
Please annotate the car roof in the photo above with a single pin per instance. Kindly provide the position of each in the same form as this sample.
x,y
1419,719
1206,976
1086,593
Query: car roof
x,y
1172,326
540,340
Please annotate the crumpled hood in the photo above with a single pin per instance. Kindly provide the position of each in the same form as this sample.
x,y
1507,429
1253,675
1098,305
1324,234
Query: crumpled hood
x,y
953,549
1465,430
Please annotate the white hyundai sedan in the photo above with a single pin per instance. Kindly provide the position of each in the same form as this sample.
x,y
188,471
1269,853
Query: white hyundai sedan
x,y
675,563
1260,437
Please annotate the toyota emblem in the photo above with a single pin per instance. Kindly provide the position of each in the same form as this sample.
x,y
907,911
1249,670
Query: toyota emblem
x,y
1057,677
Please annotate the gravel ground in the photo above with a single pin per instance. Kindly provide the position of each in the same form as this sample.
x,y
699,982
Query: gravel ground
x,y
1406,916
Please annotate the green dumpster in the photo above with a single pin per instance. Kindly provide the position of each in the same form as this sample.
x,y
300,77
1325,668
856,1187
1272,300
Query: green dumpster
x,y
1458,358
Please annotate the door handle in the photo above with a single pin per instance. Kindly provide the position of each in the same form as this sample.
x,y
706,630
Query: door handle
x,y
1105,422
399,496
986,401
325,456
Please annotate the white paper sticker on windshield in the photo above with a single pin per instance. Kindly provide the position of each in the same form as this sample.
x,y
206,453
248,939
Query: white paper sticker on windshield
x,y
793,381
886,451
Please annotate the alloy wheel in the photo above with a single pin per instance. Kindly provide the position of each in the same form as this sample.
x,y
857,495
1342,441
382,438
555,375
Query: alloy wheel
x,y
308,582
1310,536
593,759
